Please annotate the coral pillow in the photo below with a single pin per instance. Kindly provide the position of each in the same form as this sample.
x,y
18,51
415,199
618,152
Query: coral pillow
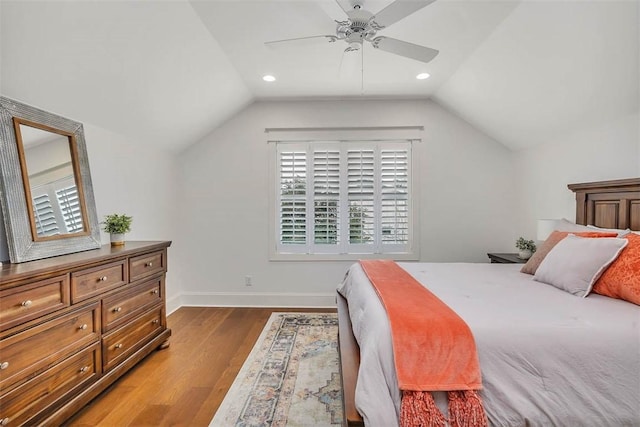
x,y
622,279
621,233
534,262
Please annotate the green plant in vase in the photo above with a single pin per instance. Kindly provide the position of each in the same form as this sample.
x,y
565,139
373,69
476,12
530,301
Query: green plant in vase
x,y
117,225
526,248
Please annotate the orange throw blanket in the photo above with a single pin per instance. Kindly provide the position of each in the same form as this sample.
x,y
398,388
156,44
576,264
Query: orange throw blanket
x,y
433,347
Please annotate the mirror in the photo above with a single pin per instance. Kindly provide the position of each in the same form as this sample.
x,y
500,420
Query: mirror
x,y
47,196
53,195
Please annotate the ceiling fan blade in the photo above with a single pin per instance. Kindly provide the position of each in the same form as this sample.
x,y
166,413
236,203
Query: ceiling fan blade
x,y
402,48
396,11
347,5
331,39
332,9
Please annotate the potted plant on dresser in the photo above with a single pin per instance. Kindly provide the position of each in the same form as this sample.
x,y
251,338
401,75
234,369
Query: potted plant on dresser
x,y
117,225
526,248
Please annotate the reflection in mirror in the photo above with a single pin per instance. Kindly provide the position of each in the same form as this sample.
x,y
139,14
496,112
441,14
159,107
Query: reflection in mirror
x,y
50,180
46,194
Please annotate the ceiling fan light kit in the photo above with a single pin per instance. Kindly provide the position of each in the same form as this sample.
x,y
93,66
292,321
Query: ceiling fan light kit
x,y
363,25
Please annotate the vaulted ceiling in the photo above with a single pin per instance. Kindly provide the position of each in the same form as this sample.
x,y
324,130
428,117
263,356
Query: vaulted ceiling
x,y
168,72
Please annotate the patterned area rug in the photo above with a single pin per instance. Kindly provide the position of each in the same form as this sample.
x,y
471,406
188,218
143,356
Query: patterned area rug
x,y
291,377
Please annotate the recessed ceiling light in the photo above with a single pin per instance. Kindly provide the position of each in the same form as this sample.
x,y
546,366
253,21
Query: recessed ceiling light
x,y
269,78
423,76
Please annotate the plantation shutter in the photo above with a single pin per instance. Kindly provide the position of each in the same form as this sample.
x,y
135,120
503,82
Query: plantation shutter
x,y
70,206
293,184
394,195
326,194
344,197
361,196
46,224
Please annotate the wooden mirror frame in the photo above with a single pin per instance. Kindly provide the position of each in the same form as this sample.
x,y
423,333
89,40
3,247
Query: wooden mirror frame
x,y
77,178
14,188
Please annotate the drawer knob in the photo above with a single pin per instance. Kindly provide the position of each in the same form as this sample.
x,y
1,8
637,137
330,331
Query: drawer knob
x,y
155,321
4,365
117,309
4,421
103,279
82,327
117,346
26,303
155,291
149,264
84,369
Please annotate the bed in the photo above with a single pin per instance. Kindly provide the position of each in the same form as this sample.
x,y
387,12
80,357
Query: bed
x,y
562,335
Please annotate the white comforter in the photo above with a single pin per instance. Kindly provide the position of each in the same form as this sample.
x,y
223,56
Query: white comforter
x,y
548,358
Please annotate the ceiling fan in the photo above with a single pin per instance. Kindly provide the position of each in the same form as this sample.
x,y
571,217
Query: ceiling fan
x,y
362,25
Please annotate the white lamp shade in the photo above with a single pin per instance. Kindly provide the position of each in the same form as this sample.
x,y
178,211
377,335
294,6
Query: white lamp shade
x,y
545,228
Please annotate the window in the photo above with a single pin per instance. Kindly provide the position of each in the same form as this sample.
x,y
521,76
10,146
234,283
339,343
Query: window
x,y
65,208
46,224
343,197
70,207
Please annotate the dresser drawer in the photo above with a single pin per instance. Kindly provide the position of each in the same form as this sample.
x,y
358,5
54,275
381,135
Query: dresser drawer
x,y
24,303
146,265
121,307
26,401
120,343
26,353
94,281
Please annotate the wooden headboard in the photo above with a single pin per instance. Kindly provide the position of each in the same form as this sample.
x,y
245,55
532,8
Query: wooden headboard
x,y
608,204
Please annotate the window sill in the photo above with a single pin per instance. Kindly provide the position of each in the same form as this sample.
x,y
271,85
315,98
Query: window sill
x,y
277,257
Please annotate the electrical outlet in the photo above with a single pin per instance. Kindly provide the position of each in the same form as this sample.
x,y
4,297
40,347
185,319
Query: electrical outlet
x,y
248,280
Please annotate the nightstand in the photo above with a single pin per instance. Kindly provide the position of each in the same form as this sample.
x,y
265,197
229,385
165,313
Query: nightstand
x,y
505,259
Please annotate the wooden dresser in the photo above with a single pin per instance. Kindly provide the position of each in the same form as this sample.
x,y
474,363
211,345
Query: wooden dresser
x,y
71,325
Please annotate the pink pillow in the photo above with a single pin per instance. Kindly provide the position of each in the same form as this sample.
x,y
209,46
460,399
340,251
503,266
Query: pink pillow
x,y
622,279
534,262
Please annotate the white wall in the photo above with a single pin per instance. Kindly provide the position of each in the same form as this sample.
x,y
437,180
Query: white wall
x,y
550,67
137,179
604,152
146,69
467,199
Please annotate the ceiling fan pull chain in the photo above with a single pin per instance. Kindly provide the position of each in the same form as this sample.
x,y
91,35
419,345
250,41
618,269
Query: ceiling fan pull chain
x,y
362,72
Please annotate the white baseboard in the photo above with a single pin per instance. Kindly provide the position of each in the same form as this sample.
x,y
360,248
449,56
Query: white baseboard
x,y
230,299
173,304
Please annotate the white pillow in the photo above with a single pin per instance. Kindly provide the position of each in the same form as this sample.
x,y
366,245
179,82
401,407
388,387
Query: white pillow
x,y
575,263
566,225
610,230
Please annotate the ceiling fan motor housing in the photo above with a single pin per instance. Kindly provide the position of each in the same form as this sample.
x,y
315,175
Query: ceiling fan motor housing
x,y
359,19
356,29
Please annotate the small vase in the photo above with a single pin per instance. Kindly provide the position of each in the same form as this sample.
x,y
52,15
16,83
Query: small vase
x,y
117,239
524,254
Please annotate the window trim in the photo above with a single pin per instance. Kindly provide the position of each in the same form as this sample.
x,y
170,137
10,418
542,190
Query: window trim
x,y
413,252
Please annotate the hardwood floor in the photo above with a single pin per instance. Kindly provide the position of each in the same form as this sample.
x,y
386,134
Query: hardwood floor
x,y
184,384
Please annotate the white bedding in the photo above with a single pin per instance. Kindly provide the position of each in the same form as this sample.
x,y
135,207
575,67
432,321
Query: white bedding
x,y
548,358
